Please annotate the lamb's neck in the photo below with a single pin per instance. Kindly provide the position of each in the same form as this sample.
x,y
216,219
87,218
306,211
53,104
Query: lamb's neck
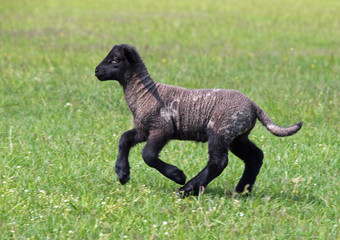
x,y
139,91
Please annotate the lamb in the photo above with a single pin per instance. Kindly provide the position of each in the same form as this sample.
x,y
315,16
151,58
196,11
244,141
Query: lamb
x,y
221,117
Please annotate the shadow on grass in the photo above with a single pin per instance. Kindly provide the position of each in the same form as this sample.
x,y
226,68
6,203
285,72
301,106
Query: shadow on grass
x,y
168,188
270,195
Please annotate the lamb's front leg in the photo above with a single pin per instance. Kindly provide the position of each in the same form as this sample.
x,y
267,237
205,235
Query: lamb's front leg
x,y
156,141
127,141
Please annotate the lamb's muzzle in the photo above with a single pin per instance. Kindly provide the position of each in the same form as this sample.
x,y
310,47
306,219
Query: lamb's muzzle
x,y
222,117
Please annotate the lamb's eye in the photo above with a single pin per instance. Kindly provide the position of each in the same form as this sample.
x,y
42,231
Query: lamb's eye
x,y
115,60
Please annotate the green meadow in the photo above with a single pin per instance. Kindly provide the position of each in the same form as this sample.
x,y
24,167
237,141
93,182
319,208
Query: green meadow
x,y
60,126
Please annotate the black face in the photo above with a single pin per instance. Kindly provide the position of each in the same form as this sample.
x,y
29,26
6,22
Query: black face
x,y
117,64
109,68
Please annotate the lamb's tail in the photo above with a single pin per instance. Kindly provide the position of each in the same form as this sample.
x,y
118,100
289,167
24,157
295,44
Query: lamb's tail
x,y
273,128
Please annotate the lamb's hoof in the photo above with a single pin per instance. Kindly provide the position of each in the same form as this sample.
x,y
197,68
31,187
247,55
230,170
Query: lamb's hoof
x,y
187,191
123,177
181,194
243,191
178,177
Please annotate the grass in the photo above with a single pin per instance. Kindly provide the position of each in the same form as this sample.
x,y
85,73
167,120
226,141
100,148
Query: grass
x,y
59,126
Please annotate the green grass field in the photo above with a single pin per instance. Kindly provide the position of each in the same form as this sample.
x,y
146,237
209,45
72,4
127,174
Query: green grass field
x,y
60,126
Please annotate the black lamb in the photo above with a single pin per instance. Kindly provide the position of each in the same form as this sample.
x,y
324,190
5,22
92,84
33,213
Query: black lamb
x,y
221,117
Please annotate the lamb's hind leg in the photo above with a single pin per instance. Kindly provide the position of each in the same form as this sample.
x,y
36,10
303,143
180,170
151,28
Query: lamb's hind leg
x,y
252,156
218,160
156,141
127,141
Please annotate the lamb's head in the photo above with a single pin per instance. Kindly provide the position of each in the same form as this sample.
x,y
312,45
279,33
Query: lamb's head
x,y
120,64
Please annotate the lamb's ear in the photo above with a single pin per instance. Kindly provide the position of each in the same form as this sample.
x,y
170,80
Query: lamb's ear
x,y
130,53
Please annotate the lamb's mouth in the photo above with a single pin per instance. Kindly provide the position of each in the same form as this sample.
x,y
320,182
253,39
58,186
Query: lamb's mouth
x,y
100,76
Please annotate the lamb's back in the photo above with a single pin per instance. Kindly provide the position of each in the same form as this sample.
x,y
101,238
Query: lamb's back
x,y
194,111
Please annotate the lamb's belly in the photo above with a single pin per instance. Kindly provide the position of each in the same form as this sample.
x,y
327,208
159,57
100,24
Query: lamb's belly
x,y
191,136
191,130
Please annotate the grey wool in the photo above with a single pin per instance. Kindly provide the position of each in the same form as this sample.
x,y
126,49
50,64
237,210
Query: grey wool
x,y
221,117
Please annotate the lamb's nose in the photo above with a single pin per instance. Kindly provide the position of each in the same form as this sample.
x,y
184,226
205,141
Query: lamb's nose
x,y
96,70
